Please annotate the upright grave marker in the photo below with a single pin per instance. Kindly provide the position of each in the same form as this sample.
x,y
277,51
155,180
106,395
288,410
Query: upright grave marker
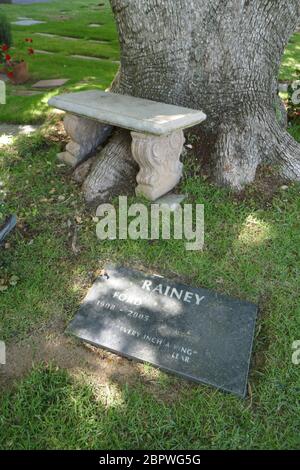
x,y
2,92
196,333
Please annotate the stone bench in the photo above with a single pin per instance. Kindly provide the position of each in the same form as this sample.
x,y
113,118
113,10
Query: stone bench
x,y
156,130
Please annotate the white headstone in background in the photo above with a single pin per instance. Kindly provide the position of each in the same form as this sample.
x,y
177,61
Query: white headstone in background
x,y
2,353
2,93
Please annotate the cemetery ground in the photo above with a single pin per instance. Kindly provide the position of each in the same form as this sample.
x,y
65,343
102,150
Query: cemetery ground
x,y
66,32
59,393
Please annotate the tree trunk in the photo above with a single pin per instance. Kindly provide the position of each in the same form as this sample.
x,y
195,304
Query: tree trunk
x,y
222,57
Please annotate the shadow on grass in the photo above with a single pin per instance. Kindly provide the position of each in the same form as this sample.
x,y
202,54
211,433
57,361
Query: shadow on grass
x,y
250,252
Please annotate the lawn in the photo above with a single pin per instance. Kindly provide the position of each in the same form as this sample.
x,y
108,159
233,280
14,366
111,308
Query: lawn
x,y
62,20
74,397
290,67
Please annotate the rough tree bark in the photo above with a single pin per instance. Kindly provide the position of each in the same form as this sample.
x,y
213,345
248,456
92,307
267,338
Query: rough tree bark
x,y
222,57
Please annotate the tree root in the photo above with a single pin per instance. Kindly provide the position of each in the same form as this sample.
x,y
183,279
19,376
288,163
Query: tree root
x,y
236,155
286,153
114,171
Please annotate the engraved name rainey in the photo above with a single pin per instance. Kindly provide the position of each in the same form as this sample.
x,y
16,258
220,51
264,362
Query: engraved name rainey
x,y
173,292
166,290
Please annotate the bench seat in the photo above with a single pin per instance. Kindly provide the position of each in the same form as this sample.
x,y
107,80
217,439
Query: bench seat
x,y
156,129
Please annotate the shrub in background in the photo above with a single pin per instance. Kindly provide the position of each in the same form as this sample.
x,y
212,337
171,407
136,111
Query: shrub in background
x,y
5,30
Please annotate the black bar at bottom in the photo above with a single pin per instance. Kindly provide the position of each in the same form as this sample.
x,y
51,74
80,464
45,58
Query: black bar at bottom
x,y
139,459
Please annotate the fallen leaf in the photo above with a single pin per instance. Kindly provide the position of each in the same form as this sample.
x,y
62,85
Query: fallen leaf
x,y
78,219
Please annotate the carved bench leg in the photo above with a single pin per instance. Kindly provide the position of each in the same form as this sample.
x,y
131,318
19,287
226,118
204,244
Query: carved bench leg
x,y
158,158
86,135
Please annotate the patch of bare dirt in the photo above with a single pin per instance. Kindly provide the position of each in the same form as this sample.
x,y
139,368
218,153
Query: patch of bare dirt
x,y
267,182
55,133
65,352
95,366
266,186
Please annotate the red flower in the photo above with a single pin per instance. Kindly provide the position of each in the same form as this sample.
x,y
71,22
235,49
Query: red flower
x,y
10,74
4,47
30,51
7,57
28,40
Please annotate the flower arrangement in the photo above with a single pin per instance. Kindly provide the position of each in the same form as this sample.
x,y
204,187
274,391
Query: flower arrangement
x,y
14,65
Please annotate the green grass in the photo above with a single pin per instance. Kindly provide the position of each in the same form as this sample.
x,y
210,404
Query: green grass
x,y
251,252
294,129
73,22
65,20
290,67
49,410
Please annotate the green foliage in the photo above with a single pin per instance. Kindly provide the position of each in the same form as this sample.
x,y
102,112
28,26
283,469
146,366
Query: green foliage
x,y
5,30
293,106
294,129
